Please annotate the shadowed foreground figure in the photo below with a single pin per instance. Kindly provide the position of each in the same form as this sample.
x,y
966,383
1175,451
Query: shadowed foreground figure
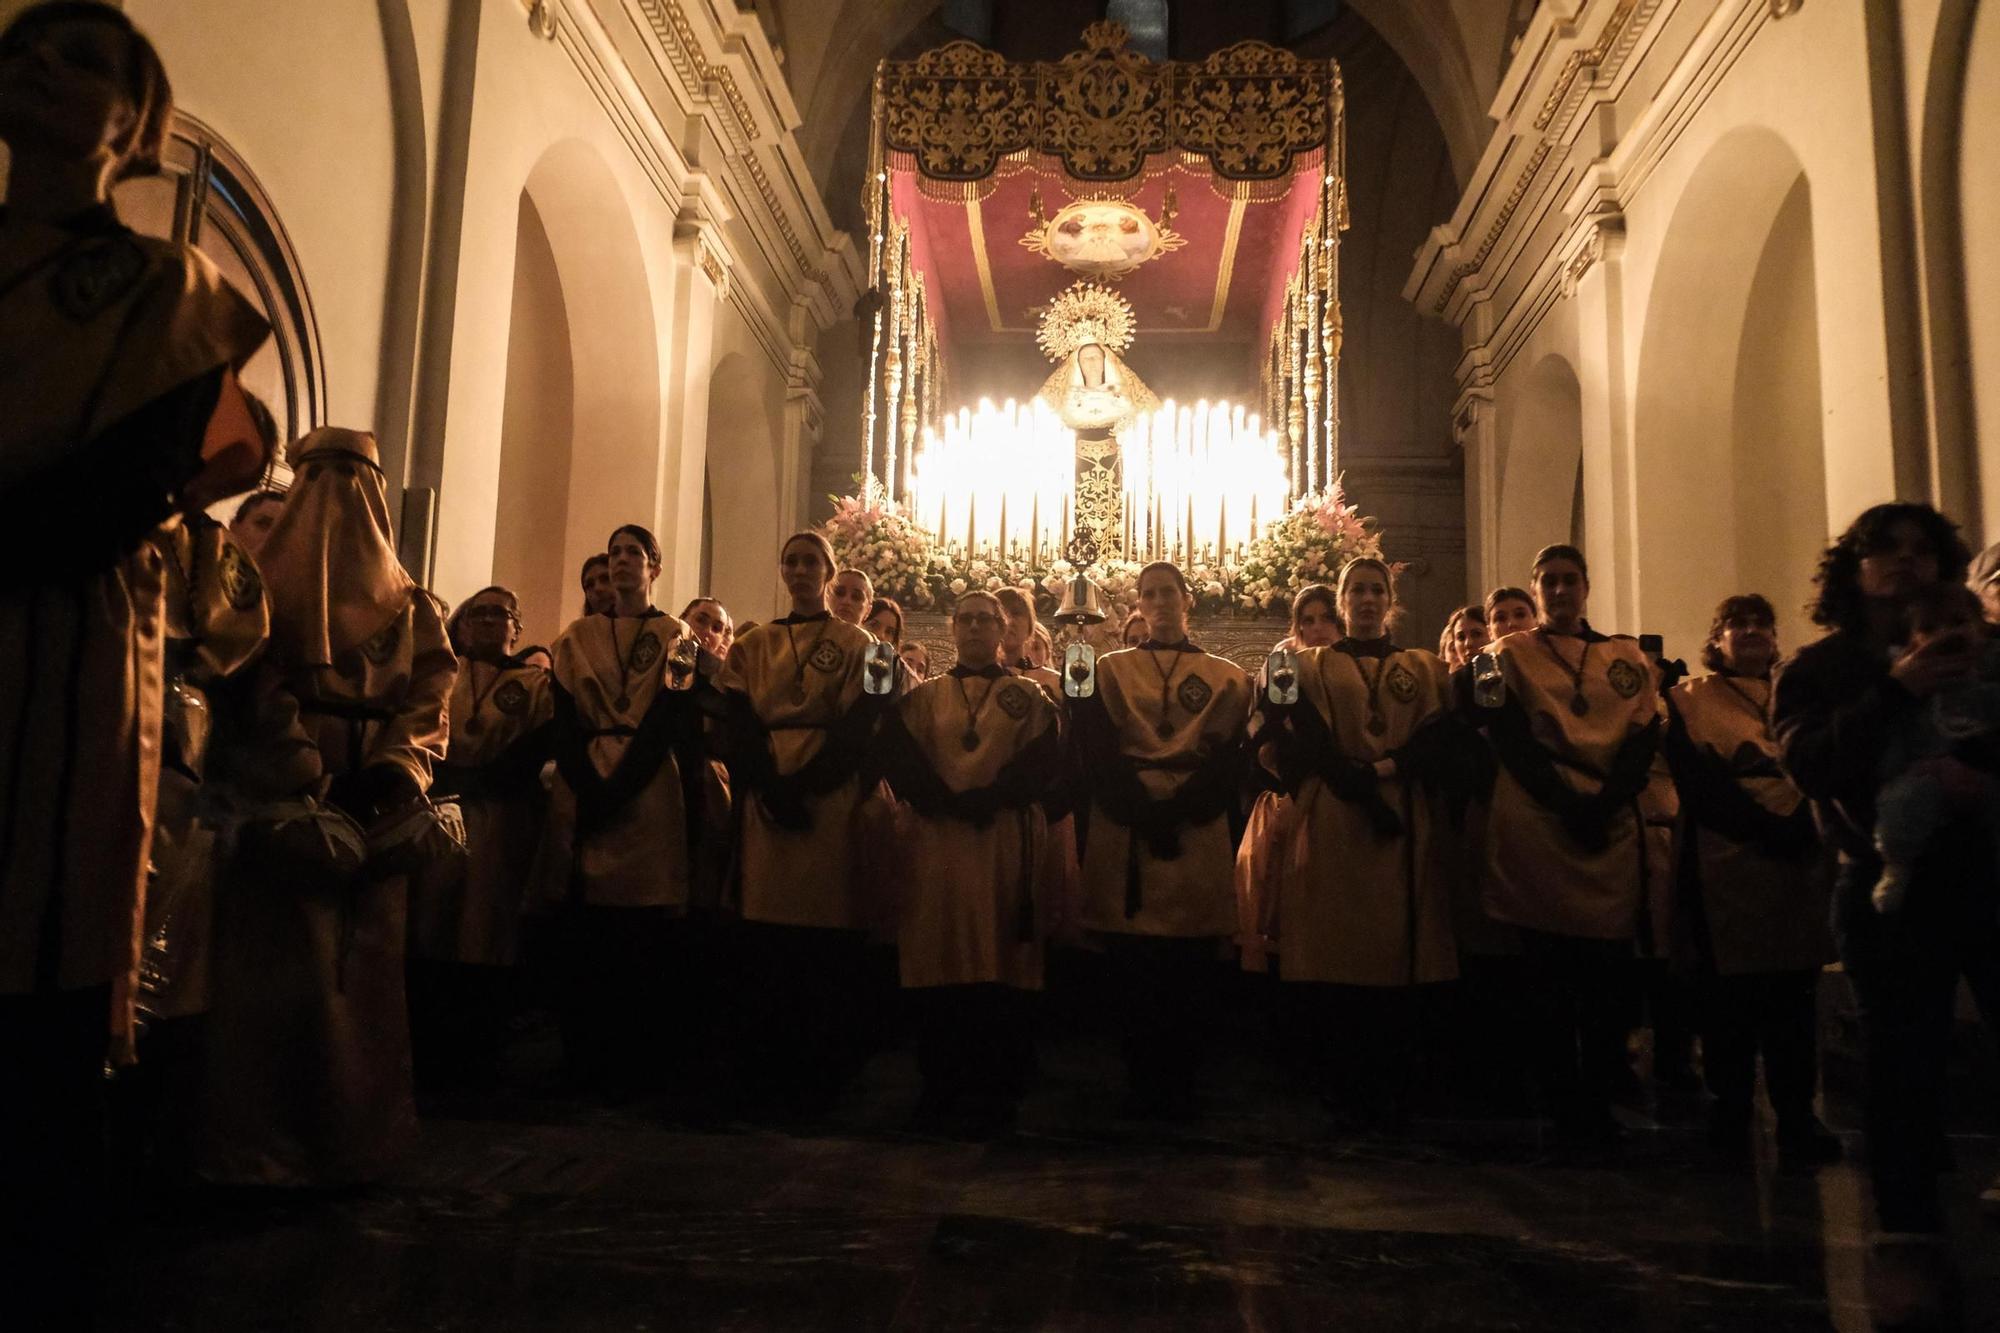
x,y
119,407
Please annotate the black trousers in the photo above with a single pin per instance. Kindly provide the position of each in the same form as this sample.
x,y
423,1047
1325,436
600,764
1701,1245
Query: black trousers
x,y
1905,969
1363,1043
1580,993
1161,985
458,1017
1488,1036
52,1098
615,968
1667,1005
808,1005
1773,1014
973,1041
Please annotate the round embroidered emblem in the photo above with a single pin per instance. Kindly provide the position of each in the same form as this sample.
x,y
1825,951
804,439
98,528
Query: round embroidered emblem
x,y
382,647
645,651
511,698
1194,694
827,658
238,578
1402,683
94,277
1013,701
1625,678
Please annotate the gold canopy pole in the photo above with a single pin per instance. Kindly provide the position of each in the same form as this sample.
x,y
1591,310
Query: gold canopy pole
x,y
892,363
1334,205
1312,366
912,359
876,200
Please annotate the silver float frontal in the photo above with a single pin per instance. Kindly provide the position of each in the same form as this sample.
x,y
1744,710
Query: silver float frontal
x,y
879,675
1080,671
682,659
1489,686
1281,677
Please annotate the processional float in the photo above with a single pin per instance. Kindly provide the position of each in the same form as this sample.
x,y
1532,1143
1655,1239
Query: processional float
x,y
1111,212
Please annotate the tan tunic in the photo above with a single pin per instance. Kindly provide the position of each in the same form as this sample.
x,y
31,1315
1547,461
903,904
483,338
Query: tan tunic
x,y
309,1044
969,891
1537,876
92,328
1359,908
1762,913
216,623
405,673
640,859
789,877
475,917
1206,707
1260,867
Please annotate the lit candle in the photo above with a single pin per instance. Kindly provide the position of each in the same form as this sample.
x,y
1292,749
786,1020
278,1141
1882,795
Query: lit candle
x,y
1003,525
971,525
1035,528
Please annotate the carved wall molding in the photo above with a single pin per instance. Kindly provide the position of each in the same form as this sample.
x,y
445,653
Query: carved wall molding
x,y
1786,8
1581,71
748,137
1599,240
542,19
1539,239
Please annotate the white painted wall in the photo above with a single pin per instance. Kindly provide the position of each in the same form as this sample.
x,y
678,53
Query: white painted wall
x,y
306,101
1693,403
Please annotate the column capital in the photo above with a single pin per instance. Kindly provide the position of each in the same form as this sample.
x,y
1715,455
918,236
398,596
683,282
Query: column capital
x,y
698,230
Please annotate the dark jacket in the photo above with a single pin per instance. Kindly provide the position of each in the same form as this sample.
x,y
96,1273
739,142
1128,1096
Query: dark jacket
x,y
1833,712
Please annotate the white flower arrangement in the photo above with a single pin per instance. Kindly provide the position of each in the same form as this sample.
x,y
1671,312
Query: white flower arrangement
x,y
1319,534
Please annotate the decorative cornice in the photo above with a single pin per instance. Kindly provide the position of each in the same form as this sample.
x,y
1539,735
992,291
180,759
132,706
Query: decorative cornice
x,y
670,23
675,32
542,19
1786,8
1595,66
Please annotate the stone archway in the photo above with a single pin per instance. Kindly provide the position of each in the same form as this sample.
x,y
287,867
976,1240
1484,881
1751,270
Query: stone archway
x,y
1730,461
581,427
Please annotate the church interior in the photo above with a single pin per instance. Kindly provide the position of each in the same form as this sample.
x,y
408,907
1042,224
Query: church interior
x,y
1030,294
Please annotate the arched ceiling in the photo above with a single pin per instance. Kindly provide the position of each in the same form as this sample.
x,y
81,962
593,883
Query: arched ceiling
x,y
1455,50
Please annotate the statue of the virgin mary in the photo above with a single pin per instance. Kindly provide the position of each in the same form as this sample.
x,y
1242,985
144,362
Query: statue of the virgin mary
x,y
1097,396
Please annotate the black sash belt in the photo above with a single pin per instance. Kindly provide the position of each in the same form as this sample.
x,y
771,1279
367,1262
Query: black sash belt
x,y
357,716
784,796
1112,778
671,726
1025,780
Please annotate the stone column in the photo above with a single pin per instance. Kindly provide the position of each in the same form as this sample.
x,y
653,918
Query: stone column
x,y
703,280
1595,277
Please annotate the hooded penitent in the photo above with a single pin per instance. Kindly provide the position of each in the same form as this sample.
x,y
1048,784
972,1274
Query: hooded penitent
x,y
330,566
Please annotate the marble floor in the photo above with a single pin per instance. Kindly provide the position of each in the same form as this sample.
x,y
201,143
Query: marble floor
x,y
532,1209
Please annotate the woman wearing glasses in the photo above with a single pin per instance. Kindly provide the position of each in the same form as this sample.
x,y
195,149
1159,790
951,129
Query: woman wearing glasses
x,y
465,931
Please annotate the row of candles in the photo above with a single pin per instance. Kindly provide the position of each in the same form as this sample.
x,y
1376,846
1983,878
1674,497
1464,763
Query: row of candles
x,y
1200,482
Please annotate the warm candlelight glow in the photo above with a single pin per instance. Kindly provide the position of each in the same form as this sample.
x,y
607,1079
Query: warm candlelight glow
x,y
1210,472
